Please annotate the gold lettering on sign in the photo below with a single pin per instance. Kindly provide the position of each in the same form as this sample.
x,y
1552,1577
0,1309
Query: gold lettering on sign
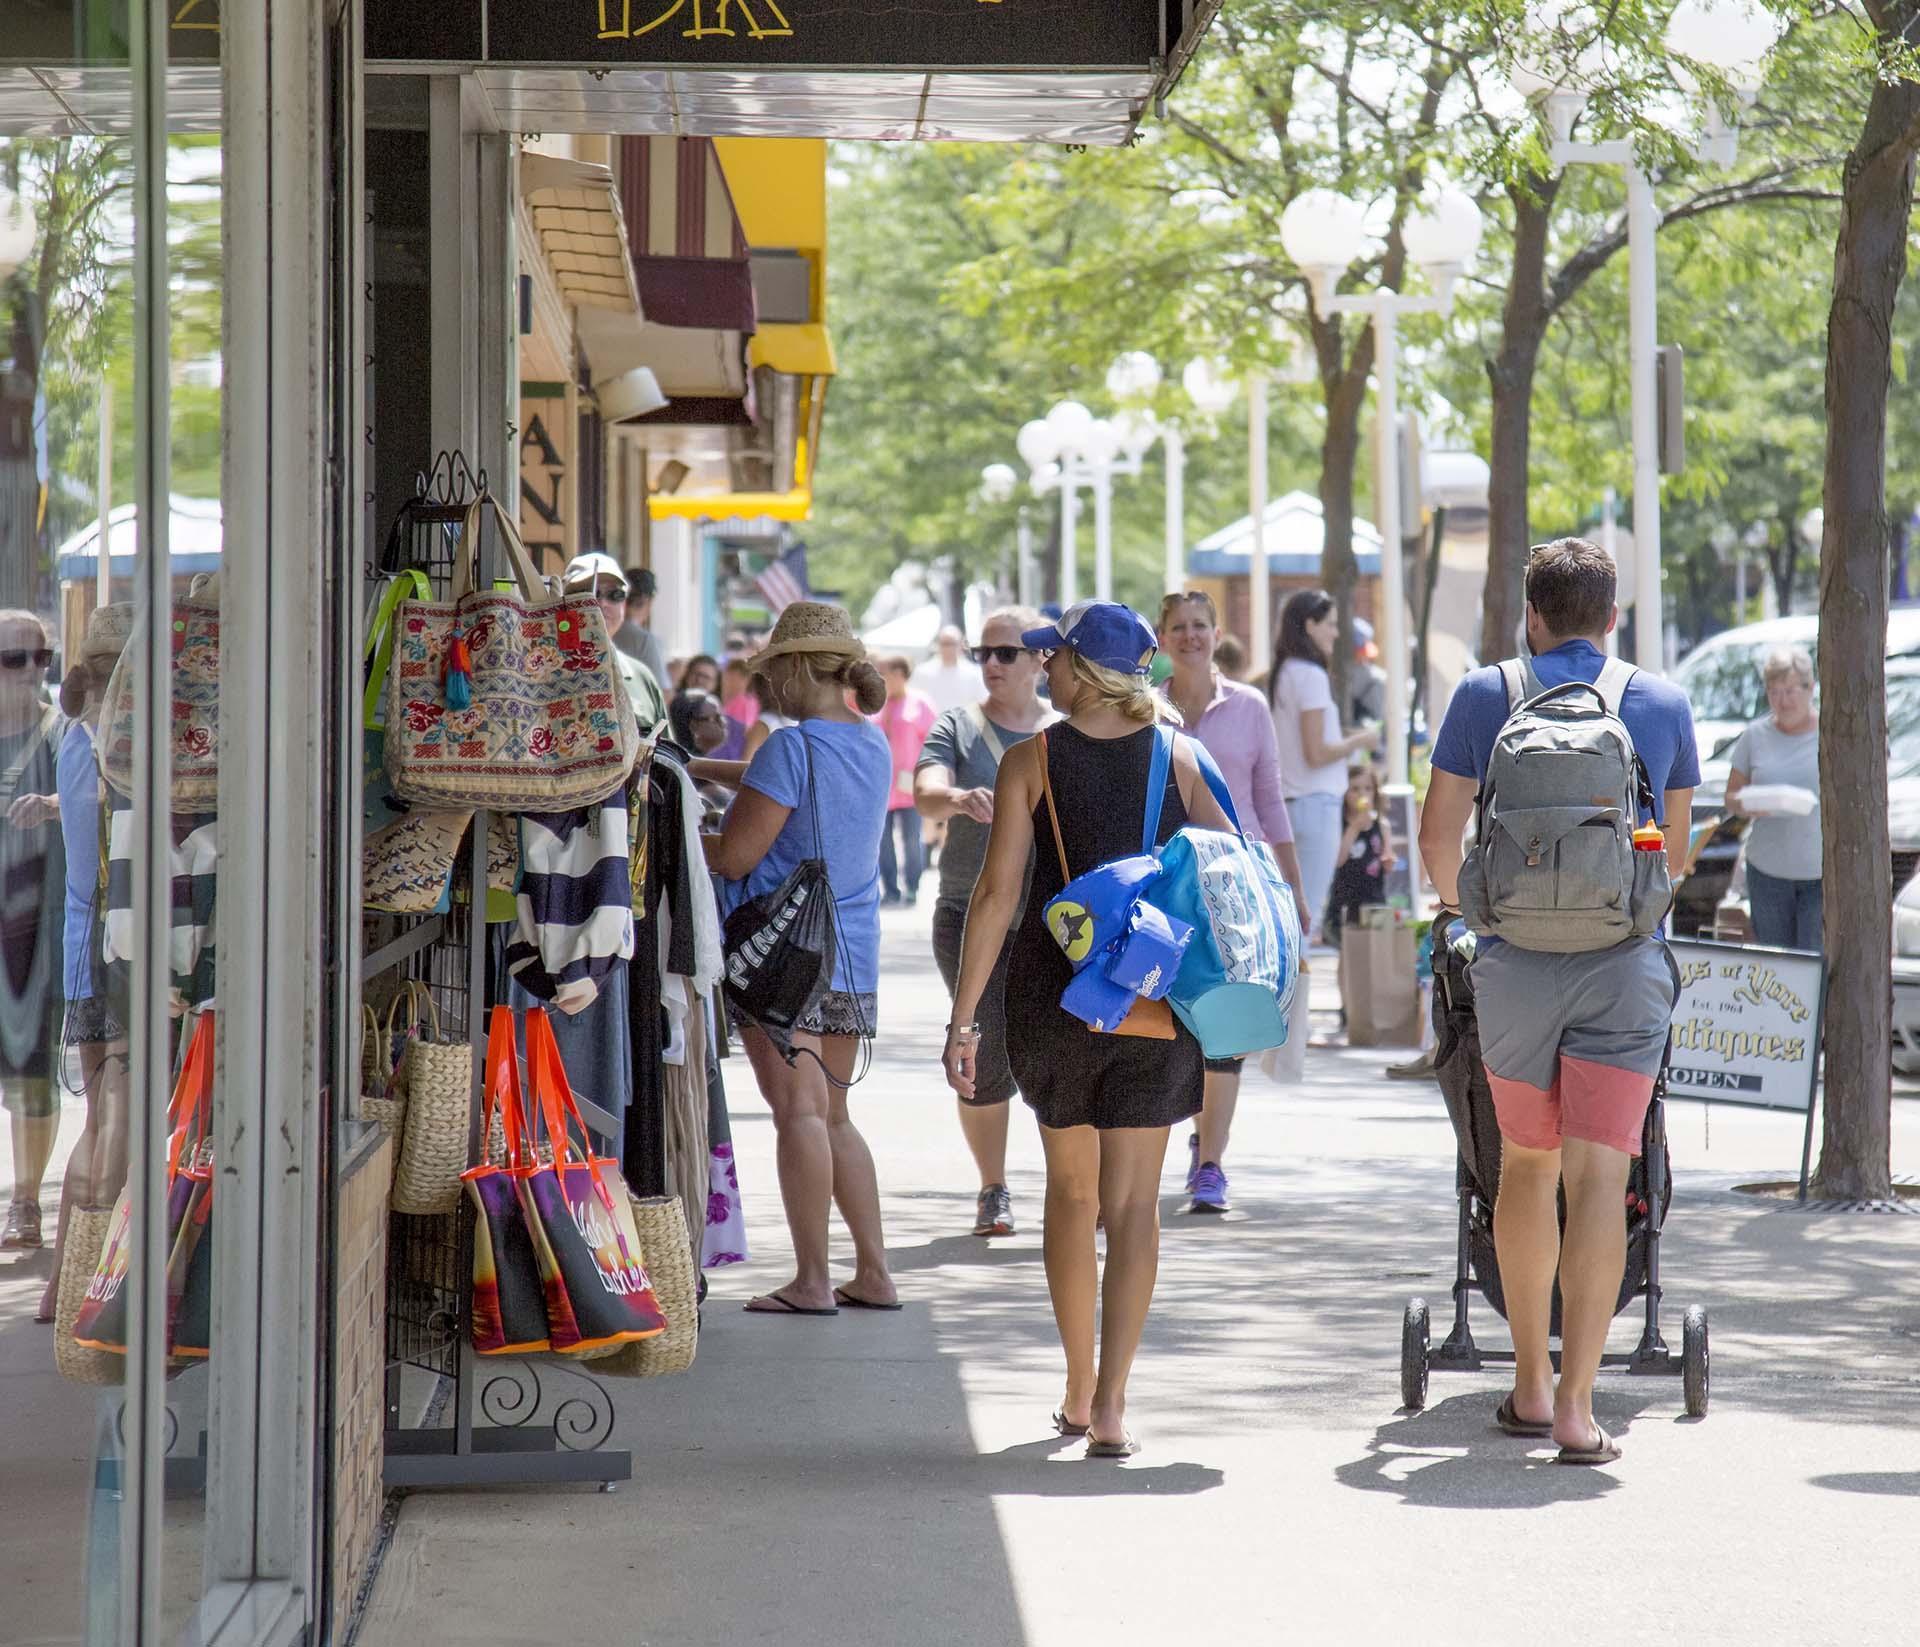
x,y
208,21
711,19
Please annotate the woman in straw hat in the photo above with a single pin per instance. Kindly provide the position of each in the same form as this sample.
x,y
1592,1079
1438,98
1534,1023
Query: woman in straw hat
x,y
835,760
1105,1102
97,1167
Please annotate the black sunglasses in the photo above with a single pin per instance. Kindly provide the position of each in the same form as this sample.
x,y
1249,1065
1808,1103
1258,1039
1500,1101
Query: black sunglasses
x,y
999,654
18,657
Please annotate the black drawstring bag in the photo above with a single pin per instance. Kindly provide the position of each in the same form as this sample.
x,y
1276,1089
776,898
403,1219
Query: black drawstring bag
x,y
780,947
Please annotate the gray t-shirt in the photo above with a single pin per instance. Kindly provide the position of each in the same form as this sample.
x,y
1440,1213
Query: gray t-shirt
x,y
1782,846
957,743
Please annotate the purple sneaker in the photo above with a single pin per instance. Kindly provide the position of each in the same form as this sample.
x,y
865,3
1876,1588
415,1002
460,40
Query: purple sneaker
x,y
1193,1160
1210,1189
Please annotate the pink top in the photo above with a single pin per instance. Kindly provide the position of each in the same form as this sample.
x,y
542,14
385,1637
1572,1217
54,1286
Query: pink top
x,y
906,722
1237,730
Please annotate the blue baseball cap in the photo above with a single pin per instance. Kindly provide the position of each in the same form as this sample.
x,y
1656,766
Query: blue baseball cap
x,y
1102,631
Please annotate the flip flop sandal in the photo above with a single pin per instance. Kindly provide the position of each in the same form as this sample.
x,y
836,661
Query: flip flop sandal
x,y
1125,1448
842,1296
1509,1422
1604,1451
1063,1426
774,1304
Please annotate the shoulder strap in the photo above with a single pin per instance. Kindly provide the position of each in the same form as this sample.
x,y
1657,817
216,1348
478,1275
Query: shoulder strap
x,y
1053,817
10,781
1514,673
1216,779
985,727
1615,676
1156,786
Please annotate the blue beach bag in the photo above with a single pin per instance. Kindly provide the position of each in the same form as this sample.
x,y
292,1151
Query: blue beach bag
x,y
1237,977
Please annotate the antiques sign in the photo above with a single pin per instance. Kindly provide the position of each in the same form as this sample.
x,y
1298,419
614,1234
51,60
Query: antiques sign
x,y
1746,1028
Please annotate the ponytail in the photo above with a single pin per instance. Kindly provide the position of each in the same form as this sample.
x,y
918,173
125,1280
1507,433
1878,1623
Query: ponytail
x,y
866,683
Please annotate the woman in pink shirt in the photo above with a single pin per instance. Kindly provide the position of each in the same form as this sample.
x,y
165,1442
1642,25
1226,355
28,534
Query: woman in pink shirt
x,y
907,719
1234,724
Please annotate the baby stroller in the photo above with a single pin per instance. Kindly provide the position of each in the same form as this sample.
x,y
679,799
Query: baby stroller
x,y
1463,1082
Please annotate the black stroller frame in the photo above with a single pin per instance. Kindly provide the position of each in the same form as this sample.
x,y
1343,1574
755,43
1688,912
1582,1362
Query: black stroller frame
x,y
1649,1190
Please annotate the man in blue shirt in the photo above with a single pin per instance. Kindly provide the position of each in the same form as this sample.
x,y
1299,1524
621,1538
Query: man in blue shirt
x,y
1573,1043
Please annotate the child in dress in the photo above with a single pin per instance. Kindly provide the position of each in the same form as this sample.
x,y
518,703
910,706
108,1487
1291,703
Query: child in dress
x,y
1366,852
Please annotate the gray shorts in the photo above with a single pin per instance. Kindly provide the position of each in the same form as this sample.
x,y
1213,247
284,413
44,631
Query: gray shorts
x,y
993,1081
1574,1043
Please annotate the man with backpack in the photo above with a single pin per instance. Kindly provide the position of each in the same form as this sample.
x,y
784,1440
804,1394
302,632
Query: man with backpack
x,y
1558,759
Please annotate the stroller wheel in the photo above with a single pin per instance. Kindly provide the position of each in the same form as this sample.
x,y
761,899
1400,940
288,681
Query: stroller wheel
x,y
1695,1364
1415,1336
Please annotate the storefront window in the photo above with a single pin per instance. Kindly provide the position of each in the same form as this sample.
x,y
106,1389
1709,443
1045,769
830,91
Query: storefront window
x,y
110,544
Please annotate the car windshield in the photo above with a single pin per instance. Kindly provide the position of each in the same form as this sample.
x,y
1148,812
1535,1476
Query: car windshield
x,y
1723,682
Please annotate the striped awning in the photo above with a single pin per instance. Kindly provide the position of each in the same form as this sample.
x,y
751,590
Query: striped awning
x,y
689,251
576,212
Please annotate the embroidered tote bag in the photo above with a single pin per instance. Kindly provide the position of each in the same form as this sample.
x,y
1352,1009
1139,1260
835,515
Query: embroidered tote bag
x,y
194,704
510,699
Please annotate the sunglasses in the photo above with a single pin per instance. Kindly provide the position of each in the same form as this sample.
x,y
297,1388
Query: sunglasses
x,y
609,593
15,657
999,654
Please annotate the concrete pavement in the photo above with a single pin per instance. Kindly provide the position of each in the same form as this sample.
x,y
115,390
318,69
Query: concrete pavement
x,y
893,1479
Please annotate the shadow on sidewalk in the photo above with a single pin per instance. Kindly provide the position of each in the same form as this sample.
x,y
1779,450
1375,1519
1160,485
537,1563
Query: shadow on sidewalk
x,y
1450,1457
1894,1483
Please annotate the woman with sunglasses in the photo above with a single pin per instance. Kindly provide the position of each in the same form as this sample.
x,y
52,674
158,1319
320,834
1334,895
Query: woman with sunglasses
x,y
32,904
1313,750
953,785
1233,722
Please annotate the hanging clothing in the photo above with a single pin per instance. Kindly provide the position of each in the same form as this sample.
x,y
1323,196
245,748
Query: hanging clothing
x,y
573,904
724,1240
193,862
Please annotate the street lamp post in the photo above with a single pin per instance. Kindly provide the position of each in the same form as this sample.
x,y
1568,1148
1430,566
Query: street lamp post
x,y
998,483
1322,232
1725,35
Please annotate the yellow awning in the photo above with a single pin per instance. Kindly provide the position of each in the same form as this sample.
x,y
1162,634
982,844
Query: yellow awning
x,y
779,189
796,505
805,351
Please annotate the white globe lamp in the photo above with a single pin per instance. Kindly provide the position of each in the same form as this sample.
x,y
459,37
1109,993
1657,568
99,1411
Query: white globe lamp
x,y
1322,232
1441,235
1070,423
1134,376
1102,444
1209,386
1137,431
1037,444
997,482
1727,35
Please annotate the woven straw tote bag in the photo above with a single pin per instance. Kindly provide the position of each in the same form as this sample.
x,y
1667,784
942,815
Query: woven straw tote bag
x,y
436,1080
382,1098
667,1247
86,1238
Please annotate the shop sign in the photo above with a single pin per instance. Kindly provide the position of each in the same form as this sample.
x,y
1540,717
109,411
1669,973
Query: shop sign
x,y
85,32
776,34
1746,1029
545,450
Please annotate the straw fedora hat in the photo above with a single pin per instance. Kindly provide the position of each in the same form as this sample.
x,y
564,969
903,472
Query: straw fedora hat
x,y
108,628
810,626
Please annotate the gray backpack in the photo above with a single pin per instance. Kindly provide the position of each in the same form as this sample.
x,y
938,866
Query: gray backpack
x,y
1553,865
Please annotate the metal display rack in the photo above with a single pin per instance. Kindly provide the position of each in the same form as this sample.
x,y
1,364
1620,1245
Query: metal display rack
x,y
495,1422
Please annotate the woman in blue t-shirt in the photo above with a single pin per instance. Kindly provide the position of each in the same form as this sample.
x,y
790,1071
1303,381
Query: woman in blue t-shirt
x,y
814,665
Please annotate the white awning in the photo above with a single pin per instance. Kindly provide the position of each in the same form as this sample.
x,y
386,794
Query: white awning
x,y
576,213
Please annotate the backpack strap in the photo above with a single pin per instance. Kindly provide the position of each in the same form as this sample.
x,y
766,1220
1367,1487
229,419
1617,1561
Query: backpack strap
x,y
1156,786
1216,781
1614,678
1515,673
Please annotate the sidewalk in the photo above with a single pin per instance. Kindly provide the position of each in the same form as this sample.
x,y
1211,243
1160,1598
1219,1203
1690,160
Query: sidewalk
x,y
894,1479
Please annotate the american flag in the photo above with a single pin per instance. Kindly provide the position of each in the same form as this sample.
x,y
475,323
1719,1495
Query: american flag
x,y
785,579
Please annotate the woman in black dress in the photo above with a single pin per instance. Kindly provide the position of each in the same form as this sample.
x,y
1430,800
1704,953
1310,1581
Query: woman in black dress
x,y
1104,1102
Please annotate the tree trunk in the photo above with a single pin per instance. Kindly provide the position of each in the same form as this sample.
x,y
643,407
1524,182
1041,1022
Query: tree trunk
x,y
1782,563
1523,325
1869,259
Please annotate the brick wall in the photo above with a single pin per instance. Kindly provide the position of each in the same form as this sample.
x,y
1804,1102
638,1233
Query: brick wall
x,y
359,1371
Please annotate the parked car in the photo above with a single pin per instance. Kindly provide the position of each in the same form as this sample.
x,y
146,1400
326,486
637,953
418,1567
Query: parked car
x,y
1721,678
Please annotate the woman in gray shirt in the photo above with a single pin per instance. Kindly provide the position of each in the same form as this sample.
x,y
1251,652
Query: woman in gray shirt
x,y
953,783
1783,848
